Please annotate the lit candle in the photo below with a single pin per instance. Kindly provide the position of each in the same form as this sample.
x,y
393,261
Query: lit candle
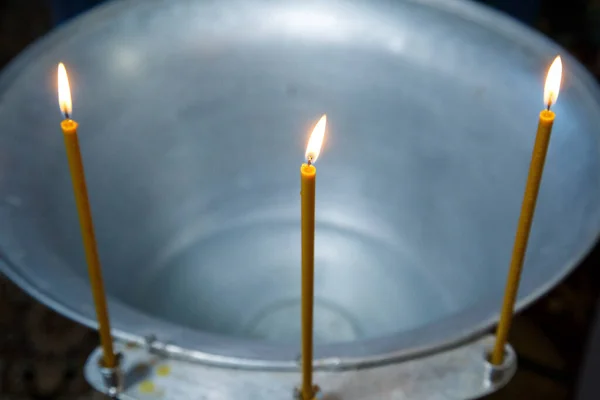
x,y
308,174
69,128
536,169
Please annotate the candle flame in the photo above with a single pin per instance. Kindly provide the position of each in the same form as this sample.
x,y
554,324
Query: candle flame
x,y
64,91
313,149
553,80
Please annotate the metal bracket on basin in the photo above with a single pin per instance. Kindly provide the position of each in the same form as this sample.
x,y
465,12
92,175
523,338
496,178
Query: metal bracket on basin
x,y
455,374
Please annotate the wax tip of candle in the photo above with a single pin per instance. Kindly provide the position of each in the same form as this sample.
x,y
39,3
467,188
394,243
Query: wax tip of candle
x,y
68,125
547,114
307,169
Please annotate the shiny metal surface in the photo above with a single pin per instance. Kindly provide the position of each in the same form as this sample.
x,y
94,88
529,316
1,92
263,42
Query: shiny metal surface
x,y
459,373
193,120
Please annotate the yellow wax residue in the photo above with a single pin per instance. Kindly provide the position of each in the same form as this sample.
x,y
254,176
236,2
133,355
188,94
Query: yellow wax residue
x,y
163,370
147,387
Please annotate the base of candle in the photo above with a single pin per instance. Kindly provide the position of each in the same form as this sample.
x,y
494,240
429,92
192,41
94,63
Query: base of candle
x,y
317,394
459,373
112,378
499,373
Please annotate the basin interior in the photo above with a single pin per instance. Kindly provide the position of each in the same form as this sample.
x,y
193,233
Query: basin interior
x,y
245,281
193,131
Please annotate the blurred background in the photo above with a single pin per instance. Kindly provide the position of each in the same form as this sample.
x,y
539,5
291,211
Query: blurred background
x,y
557,339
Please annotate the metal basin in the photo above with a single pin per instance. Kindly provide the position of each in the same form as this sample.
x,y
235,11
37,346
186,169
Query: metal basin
x,y
193,120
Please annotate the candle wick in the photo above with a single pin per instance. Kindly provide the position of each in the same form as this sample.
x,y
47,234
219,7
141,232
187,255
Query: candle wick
x,y
67,116
309,160
548,106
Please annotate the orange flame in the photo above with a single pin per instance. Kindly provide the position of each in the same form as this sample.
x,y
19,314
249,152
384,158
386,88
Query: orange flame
x,y
313,149
64,91
553,81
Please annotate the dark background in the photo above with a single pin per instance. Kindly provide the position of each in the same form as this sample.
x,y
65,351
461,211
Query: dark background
x,y
42,353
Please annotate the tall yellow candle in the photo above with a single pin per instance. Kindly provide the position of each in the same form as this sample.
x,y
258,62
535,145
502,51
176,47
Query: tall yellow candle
x,y
69,128
308,174
534,178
